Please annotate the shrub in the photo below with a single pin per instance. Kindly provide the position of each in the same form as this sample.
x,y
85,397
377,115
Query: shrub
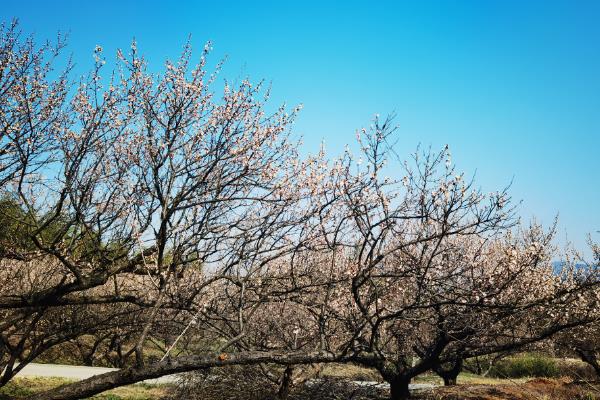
x,y
525,365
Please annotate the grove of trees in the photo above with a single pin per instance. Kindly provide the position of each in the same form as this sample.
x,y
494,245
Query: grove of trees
x,y
162,223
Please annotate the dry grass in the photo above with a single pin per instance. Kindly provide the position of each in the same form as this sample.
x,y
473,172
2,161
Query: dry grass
x,y
535,389
358,373
466,378
23,387
335,385
351,372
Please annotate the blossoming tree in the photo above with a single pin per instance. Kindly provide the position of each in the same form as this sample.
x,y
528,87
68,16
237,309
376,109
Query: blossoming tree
x,y
149,209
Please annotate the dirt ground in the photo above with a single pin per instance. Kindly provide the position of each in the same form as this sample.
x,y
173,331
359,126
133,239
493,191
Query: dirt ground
x,y
535,389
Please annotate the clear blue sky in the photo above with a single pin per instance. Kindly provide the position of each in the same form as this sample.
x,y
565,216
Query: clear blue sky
x,y
512,86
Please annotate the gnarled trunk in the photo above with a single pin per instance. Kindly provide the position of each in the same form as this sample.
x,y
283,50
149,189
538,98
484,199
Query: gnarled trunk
x,y
399,388
449,381
449,371
590,357
286,383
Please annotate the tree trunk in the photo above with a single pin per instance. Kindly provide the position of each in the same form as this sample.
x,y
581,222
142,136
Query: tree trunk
x,y
452,373
286,383
449,381
449,372
479,369
399,388
589,357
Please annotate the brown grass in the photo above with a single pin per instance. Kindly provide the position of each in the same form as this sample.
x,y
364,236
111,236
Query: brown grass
x,y
351,372
535,389
24,387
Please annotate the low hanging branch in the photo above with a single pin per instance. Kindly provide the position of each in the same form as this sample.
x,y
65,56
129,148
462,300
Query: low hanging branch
x,y
100,383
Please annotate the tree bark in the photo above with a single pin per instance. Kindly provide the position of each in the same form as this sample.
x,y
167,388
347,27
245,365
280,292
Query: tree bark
x,y
590,358
449,372
399,388
286,383
449,381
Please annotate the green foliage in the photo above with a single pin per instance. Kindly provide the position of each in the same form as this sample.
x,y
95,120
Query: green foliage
x,y
18,228
13,226
526,365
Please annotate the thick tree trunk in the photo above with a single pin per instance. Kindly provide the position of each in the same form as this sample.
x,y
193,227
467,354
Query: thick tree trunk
x,y
286,383
449,371
449,381
399,388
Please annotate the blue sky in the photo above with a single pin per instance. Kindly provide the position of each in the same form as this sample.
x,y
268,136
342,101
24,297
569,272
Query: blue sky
x,y
513,87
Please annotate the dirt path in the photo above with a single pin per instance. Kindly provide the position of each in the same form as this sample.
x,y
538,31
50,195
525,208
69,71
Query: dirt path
x,y
77,372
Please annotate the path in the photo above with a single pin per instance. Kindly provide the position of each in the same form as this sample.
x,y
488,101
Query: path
x,y
77,372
